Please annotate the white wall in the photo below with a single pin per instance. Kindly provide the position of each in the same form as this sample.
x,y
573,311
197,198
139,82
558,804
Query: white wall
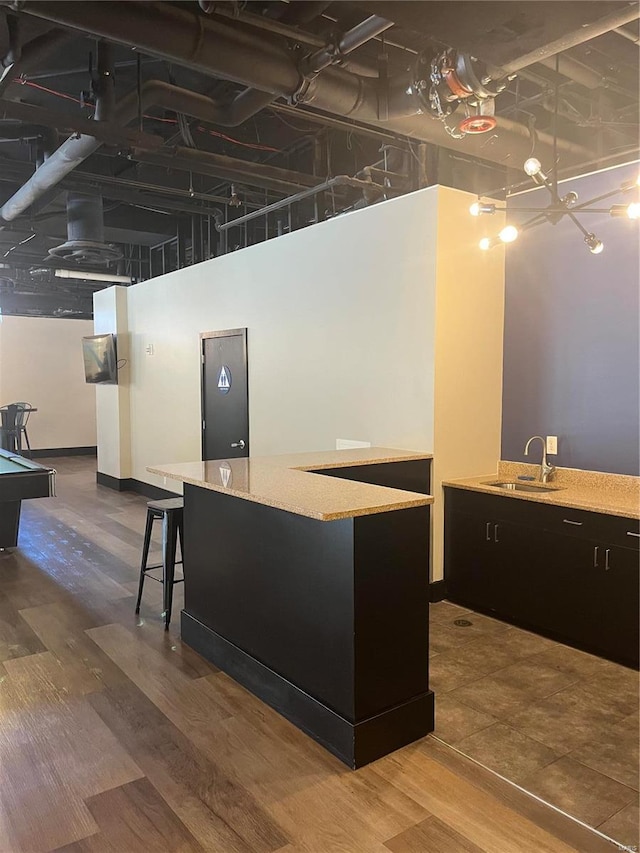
x,y
340,337
41,363
468,347
113,401
384,325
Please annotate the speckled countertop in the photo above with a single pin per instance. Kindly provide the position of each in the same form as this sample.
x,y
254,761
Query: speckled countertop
x,y
611,494
287,482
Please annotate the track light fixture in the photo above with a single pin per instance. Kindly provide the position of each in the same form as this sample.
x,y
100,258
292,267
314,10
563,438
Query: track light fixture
x,y
559,207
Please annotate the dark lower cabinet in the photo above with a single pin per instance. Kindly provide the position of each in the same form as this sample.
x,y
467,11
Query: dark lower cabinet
x,y
486,554
570,574
597,599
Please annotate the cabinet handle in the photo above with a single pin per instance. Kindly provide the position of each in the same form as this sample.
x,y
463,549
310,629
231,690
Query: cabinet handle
x,y
630,533
495,533
606,560
577,523
595,556
488,535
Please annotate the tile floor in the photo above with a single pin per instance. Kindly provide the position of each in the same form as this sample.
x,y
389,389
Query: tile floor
x,y
560,723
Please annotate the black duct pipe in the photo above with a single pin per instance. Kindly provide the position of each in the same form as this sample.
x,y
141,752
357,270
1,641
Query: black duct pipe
x,y
85,217
213,47
251,101
350,41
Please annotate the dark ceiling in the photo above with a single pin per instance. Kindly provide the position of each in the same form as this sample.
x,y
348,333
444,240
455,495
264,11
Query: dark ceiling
x,y
223,108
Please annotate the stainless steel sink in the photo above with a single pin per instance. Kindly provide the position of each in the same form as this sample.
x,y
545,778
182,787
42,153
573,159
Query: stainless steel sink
x,y
521,487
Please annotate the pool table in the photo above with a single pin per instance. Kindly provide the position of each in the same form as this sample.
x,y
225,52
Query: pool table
x,y
20,479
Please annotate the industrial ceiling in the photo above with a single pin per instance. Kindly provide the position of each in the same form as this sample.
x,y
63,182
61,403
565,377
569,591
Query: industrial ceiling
x,y
134,134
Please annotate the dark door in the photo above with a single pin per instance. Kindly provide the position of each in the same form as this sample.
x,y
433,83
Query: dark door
x,y
225,398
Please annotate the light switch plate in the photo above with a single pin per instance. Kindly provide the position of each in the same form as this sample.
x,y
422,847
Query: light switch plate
x,y
552,444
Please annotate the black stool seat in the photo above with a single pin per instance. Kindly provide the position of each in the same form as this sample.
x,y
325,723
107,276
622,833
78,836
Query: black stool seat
x,y
170,513
168,504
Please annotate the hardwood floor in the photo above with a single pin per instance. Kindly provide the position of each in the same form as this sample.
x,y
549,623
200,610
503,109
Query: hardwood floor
x,y
116,737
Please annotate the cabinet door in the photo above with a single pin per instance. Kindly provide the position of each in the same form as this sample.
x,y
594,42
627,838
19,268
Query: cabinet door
x,y
591,592
617,604
566,583
471,560
520,593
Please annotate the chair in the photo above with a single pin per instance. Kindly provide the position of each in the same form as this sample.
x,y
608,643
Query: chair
x,y
169,512
23,410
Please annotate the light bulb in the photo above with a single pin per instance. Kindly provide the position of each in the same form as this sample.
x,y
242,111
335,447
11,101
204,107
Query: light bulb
x,y
485,244
508,234
633,210
479,207
595,246
532,166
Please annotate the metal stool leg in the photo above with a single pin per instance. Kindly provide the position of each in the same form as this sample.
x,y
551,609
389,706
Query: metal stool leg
x,y
145,555
169,544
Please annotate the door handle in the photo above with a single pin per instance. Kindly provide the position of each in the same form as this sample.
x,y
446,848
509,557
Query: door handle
x,y
495,533
606,560
487,534
630,533
239,444
595,556
568,521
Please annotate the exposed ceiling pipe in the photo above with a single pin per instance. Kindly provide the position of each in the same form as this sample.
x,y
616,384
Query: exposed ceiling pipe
x,y
159,94
210,46
72,152
618,18
226,168
251,101
31,55
279,28
350,41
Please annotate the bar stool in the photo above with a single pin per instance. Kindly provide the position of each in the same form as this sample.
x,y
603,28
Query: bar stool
x,y
170,513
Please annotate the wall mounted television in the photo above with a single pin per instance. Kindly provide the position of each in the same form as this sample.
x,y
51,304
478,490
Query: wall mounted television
x,y
100,357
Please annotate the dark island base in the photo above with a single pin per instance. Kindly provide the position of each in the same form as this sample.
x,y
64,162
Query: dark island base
x,y
354,744
326,621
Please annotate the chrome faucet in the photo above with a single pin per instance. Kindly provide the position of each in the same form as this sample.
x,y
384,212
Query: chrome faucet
x,y
546,470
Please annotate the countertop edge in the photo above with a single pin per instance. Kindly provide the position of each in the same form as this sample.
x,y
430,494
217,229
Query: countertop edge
x,y
420,500
554,498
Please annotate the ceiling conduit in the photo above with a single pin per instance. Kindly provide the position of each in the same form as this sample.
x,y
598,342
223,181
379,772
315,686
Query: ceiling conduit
x,y
155,93
31,55
72,152
211,46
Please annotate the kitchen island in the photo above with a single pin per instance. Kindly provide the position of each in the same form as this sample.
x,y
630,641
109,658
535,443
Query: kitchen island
x,y
306,579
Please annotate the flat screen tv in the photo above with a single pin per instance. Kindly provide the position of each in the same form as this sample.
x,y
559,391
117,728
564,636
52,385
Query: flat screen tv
x,y
100,359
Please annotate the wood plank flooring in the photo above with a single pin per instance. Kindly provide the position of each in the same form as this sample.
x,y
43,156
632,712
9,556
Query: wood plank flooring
x,y
116,737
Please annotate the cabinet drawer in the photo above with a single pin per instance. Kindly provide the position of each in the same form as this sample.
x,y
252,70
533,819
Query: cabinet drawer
x,y
494,507
612,529
578,523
